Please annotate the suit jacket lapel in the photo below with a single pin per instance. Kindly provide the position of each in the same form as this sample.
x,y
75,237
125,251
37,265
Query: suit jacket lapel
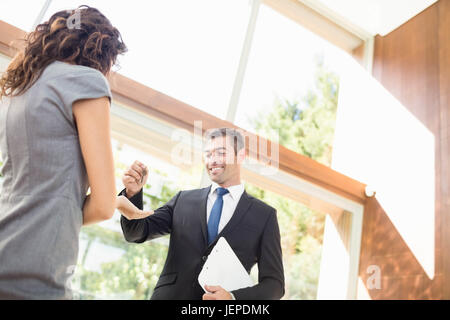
x,y
241,209
202,213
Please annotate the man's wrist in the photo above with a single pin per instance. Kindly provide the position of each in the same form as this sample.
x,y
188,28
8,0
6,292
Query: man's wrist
x,y
136,199
129,194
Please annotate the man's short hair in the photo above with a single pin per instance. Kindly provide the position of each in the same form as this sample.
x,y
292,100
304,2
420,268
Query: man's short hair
x,y
238,139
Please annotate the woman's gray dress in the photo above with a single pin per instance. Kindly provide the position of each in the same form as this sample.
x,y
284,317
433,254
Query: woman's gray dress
x,y
45,182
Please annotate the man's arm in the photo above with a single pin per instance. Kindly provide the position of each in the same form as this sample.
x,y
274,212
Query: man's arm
x,y
134,179
156,225
270,266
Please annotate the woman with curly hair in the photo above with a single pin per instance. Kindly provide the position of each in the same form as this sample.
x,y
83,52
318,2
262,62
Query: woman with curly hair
x,y
55,142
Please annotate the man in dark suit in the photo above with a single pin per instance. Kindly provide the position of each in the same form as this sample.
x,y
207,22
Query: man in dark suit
x,y
195,219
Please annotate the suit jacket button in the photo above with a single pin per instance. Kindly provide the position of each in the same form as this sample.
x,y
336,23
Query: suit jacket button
x,y
204,258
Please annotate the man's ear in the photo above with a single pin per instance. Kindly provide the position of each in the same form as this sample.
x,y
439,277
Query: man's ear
x,y
240,157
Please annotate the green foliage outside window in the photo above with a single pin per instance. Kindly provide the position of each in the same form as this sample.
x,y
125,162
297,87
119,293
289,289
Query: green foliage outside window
x,y
307,127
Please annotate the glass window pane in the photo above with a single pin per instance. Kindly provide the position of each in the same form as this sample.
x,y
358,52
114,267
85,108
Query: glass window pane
x,y
188,50
301,231
21,13
290,88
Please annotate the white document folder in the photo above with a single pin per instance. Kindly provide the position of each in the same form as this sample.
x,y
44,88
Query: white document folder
x,y
223,268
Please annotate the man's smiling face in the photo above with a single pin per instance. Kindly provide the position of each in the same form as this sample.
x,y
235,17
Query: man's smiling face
x,y
220,160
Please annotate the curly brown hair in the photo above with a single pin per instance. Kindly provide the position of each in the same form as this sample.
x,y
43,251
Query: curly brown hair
x,y
92,41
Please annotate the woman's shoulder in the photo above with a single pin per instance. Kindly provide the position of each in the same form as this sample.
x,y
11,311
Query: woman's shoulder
x,y
75,80
59,69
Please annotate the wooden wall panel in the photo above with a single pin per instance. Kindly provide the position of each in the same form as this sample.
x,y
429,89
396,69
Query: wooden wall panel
x,y
412,63
444,86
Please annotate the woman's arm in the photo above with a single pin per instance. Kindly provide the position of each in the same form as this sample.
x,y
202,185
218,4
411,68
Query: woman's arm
x,y
129,210
93,122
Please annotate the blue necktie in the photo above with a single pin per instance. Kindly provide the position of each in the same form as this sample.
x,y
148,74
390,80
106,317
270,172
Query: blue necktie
x,y
214,216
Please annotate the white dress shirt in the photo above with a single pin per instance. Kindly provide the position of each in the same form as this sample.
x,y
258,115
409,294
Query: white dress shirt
x,y
230,201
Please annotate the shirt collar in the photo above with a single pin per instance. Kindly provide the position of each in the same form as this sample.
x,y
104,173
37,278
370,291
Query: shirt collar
x,y
235,191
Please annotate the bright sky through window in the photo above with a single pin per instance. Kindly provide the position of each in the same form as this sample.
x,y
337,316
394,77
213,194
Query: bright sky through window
x,y
190,50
